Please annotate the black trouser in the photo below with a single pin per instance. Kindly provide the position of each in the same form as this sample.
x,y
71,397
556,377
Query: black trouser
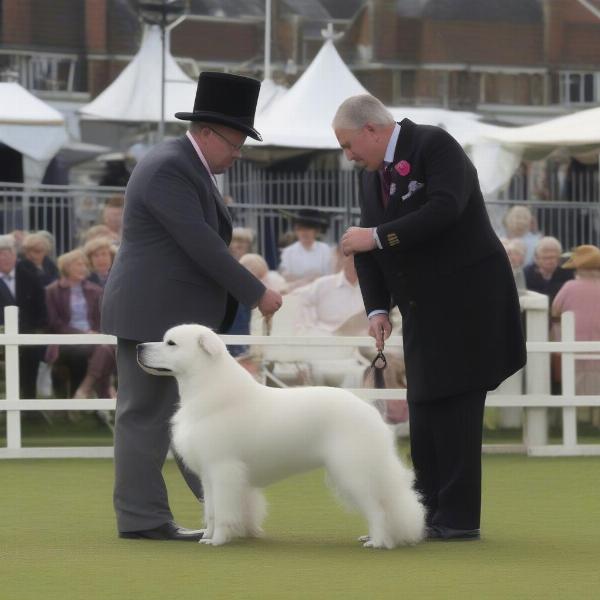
x,y
445,440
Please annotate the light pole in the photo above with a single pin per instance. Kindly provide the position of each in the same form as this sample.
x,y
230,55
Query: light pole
x,y
166,14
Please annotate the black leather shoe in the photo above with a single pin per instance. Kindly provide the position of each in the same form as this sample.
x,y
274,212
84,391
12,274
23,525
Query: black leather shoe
x,y
442,533
166,531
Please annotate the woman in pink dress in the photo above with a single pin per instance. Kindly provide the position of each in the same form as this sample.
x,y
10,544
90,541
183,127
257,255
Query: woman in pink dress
x,y
582,296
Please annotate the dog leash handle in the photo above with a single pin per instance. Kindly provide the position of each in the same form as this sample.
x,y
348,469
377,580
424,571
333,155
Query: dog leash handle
x,y
378,365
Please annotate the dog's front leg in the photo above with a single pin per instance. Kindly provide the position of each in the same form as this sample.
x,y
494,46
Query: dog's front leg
x,y
227,487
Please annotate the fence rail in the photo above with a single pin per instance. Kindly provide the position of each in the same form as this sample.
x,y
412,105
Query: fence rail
x,y
535,400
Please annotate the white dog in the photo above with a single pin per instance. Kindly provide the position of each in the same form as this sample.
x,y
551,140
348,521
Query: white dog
x,y
240,436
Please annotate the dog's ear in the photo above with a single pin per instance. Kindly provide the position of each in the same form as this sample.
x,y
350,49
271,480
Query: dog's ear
x,y
211,344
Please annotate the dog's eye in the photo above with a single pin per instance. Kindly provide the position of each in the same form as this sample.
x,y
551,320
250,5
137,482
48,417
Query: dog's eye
x,y
171,343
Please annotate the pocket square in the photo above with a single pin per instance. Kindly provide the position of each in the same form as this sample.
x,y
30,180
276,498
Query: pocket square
x,y
413,187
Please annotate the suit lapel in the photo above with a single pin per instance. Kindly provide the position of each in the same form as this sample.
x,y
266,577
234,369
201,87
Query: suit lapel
x,y
216,195
6,296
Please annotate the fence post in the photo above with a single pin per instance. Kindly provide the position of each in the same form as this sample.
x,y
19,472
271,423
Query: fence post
x,y
13,417
569,413
537,372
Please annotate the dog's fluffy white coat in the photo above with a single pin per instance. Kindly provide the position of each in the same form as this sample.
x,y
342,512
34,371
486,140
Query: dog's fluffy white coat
x,y
240,436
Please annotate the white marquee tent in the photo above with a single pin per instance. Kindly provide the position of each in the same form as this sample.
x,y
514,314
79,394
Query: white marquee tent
x,y
579,132
301,118
135,95
30,127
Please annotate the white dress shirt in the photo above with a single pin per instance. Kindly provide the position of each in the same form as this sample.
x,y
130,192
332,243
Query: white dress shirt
x,y
327,303
298,262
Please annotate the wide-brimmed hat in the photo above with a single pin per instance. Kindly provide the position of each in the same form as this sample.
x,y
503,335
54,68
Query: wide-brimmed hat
x,y
225,99
310,217
583,257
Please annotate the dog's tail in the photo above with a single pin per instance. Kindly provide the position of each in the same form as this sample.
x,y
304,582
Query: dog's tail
x,y
403,511
376,483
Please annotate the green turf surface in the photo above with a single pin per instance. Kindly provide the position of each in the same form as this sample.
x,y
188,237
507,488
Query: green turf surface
x,y
541,528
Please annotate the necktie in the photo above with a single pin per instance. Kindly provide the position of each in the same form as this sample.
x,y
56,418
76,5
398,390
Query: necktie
x,y
386,181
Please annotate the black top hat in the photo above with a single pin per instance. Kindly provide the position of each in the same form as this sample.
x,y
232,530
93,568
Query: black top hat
x,y
226,99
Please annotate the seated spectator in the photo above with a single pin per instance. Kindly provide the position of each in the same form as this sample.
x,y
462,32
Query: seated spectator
x,y
582,296
516,251
74,307
241,241
36,257
99,231
100,253
518,223
333,305
21,287
307,258
544,275
112,216
258,266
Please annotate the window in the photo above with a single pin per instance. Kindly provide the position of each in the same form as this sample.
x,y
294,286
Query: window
x,y
579,87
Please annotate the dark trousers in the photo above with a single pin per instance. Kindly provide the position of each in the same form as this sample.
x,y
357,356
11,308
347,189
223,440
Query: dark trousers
x,y
145,404
445,440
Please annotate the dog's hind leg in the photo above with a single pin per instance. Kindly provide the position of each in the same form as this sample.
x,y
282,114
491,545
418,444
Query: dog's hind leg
x,y
255,511
228,483
353,483
209,512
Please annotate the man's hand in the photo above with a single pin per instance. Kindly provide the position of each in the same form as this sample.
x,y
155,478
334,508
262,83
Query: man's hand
x,y
358,239
270,302
380,328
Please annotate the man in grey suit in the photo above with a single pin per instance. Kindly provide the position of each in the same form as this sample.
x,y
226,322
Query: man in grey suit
x,y
174,266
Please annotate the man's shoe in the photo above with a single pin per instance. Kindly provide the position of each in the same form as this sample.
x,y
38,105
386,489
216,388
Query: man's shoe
x,y
166,531
442,533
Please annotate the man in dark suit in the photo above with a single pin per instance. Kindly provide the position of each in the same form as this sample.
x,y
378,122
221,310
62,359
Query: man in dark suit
x,y
20,287
426,244
173,266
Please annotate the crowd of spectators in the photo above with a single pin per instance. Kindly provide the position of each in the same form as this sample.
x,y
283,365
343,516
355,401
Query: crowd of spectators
x,y
62,295
571,280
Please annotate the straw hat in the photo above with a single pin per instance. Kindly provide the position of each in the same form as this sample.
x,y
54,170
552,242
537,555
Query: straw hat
x,y
584,257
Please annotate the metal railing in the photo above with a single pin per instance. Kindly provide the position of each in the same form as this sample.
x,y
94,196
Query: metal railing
x,y
265,201
535,400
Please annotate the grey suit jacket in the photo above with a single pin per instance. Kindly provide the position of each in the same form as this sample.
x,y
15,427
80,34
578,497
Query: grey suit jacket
x,y
173,265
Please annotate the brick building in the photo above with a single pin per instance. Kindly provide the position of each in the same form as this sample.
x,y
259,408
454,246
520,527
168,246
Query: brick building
x,y
514,60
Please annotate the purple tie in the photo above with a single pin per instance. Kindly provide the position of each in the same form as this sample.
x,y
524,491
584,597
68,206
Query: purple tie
x,y
386,181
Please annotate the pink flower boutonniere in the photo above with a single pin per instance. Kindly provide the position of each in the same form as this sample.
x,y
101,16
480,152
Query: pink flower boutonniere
x,y
402,168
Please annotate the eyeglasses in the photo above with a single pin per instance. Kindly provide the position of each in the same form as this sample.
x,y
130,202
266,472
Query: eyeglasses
x,y
234,147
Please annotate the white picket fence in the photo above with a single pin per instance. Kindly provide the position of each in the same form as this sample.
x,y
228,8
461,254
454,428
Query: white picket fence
x,y
529,390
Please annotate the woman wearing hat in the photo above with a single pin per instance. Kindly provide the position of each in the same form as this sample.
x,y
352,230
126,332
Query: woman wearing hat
x,y
307,258
582,296
174,266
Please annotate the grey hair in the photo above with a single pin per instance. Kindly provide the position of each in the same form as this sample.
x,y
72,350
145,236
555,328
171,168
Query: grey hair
x,y
7,242
355,112
548,243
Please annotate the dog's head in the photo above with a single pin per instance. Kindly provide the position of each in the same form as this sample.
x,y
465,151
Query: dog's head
x,y
184,349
